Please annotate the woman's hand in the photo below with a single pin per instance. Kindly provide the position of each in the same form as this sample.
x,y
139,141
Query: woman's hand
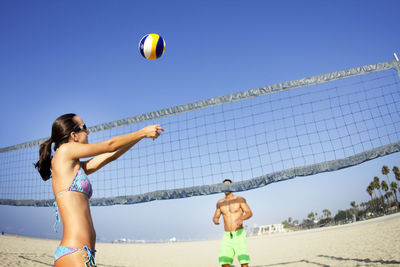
x,y
152,131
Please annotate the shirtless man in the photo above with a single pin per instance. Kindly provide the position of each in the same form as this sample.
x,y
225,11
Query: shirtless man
x,y
234,210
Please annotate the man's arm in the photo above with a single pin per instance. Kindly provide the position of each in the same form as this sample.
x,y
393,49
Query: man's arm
x,y
217,214
246,210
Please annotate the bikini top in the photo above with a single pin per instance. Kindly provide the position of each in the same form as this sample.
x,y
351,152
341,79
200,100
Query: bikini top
x,y
80,184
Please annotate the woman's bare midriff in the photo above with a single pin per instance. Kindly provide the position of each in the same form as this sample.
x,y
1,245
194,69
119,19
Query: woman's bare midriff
x,y
78,230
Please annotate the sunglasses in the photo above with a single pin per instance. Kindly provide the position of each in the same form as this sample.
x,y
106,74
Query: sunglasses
x,y
81,128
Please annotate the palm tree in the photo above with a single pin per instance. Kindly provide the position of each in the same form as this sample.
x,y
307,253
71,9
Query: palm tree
x,y
385,171
377,185
396,173
327,213
311,216
385,187
394,187
381,200
370,191
372,185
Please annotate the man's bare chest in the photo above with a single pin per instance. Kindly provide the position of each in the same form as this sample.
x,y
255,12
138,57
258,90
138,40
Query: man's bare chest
x,y
229,208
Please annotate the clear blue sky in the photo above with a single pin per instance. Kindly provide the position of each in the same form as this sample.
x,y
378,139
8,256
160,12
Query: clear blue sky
x,y
82,56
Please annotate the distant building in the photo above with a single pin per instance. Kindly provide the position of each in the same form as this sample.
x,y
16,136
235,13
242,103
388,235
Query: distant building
x,y
268,229
128,241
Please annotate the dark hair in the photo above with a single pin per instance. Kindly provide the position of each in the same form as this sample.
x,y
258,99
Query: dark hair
x,y
227,180
60,132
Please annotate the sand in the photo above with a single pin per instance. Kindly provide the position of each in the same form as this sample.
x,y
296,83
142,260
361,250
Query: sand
x,y
374,242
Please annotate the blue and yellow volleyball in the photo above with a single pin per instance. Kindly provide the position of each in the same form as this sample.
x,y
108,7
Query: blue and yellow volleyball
x,y
152,46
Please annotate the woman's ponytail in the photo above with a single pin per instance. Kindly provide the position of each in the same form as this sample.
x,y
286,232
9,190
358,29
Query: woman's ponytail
x,y
44,163
60,132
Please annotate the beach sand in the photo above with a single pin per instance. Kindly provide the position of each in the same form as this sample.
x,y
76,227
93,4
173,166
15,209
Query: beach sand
x,y
374,242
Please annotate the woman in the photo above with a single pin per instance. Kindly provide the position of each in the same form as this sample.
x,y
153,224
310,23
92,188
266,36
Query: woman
x,y
71,186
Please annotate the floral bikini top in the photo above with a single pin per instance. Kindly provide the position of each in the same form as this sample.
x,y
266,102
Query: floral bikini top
x,y
80,184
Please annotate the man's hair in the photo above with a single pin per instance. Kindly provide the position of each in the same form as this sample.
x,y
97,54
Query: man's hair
x,y
227,180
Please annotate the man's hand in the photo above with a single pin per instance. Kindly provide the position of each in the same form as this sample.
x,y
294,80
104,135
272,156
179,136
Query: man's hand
x,y
217,214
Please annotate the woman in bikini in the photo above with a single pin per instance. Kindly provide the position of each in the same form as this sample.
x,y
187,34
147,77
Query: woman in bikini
x,y
71,186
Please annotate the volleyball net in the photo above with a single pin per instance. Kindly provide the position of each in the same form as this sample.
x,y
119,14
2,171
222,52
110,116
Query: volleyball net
x,y
254,137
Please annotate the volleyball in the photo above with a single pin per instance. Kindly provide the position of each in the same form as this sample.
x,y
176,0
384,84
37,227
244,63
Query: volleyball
x,y
152,46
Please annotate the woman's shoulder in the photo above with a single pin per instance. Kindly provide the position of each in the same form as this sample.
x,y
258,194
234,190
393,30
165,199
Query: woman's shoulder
x,y
65,152
61,158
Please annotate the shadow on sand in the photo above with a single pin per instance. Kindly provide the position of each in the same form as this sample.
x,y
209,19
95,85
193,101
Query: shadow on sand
x,y
360,260
311,263
338,259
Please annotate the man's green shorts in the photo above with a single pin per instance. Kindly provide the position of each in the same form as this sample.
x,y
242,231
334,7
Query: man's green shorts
x,y
234,243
